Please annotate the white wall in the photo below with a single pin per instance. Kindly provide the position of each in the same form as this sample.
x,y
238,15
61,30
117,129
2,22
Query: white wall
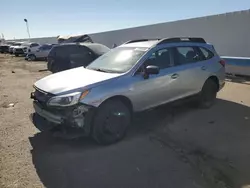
x,y
229,33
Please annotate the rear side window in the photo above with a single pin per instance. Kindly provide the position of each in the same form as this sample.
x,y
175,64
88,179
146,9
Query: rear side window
x,y
80,56
45,47
59,51
186,55
34,45
207,54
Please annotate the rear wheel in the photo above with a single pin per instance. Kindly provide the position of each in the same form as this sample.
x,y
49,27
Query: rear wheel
x,y
208,94
16,55
111,122
54,68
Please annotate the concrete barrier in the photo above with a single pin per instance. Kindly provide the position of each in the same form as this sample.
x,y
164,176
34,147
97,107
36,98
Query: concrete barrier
x,y
237,65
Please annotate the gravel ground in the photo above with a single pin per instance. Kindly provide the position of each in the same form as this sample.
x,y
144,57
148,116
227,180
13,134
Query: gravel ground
x,y
166,147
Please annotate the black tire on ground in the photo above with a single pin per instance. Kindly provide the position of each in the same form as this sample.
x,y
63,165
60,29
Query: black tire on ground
x,y
54,69
111,122
208,94
16,55
32,57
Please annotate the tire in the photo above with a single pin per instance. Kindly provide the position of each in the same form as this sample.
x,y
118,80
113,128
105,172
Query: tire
x,y
111,122
16,55
208,94
32,57
53,68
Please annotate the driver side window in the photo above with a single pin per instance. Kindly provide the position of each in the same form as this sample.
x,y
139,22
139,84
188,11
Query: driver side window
x,y
160,58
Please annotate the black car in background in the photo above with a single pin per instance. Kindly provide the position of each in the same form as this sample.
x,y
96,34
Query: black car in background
x,y
4,49
71,55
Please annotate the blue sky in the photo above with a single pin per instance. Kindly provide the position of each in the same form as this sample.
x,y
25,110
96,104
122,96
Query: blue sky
x,y
53,17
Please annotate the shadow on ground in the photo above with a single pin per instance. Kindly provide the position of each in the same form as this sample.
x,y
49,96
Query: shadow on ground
x,y
239,79
163,146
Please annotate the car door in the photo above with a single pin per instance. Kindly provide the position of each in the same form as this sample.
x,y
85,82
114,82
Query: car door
x,y
33,47
39,52
190,70
156,89
44,51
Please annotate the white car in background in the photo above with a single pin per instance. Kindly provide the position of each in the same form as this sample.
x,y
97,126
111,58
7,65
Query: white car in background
x,y
25,48
13,46
41,53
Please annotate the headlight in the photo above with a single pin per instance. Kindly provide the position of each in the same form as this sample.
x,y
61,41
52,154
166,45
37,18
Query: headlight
x,y
67,100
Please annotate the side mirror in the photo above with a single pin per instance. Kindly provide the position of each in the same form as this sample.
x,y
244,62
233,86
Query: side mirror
x,y
151,69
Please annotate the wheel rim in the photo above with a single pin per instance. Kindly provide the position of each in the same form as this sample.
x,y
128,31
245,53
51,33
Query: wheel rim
x,y
114,124
32,58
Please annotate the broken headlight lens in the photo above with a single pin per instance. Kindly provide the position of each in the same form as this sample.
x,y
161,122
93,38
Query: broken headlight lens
x,y
65,100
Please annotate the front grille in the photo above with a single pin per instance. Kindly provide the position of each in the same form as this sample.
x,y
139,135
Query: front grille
x,y
42,97
19,50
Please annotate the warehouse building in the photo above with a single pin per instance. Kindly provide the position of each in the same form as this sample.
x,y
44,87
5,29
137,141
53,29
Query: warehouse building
x,y
229,32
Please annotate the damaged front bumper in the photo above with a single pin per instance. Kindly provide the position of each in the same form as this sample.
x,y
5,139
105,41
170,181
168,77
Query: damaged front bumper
x,y
77,117
54,118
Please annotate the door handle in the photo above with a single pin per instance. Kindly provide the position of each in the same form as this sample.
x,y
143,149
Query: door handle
x,y
174,76
203,68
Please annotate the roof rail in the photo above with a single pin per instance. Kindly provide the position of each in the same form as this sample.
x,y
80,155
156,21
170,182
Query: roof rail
x,y
139,40
170,40
182,39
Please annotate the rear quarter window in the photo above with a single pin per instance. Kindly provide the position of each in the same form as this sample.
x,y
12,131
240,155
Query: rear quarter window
x,y
206,53
59,51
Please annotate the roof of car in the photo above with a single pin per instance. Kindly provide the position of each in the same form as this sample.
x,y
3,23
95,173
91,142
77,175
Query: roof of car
x,y
146,44
97,48
176,40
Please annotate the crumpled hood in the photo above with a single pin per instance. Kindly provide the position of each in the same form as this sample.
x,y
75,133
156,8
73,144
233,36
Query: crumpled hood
x,y
72,79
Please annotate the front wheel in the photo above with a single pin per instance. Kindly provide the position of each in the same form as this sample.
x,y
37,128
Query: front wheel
x,y
208,94
31,57
111,122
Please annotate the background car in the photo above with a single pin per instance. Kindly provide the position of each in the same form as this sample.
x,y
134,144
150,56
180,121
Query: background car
x,y
41,53
4,48
24,48
71,55
13,46
74,38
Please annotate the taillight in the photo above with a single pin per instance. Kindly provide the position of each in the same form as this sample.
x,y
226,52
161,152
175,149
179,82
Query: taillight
x,y
222,62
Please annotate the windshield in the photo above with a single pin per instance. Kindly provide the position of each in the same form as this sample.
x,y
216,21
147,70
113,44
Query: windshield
x,y
17,44
118,60
10,43
45,47
26,44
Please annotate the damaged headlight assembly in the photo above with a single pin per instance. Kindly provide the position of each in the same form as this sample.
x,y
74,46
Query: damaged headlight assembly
x,y
76,114
67,100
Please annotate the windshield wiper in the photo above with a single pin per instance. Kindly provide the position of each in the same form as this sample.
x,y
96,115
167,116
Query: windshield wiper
x,y
98,69
103,70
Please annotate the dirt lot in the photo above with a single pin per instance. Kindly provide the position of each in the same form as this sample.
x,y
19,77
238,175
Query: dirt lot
x,y
166,147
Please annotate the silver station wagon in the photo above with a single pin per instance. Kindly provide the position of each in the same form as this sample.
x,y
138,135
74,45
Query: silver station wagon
x,y
100,99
